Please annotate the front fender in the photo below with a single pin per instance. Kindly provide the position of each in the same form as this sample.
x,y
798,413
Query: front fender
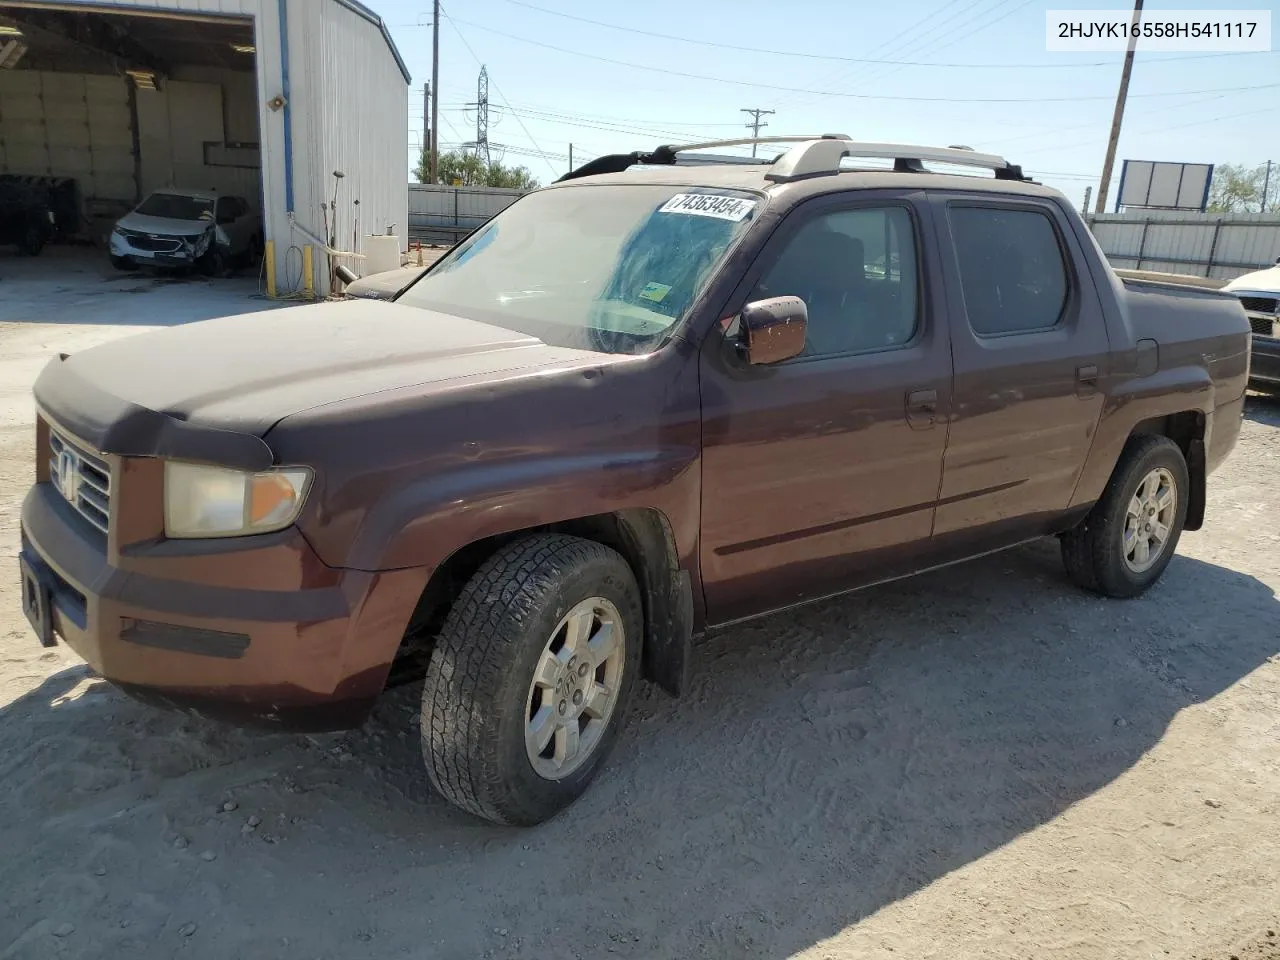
x,y
424,522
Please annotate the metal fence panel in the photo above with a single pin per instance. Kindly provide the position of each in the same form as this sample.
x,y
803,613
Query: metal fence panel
x,y
443,214
1222,245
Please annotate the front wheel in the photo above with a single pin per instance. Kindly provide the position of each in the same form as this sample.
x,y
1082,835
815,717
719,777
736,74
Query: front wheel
x,y
213,263
1123,545
530,678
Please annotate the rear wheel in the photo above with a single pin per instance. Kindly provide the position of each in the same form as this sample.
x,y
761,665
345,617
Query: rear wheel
x,y
530,678
1127,540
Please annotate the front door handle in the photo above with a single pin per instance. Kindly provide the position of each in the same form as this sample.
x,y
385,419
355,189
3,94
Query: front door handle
x,y
922,409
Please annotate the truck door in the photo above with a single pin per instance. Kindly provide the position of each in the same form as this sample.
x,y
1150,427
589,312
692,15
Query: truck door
x,y
820,473
1031,350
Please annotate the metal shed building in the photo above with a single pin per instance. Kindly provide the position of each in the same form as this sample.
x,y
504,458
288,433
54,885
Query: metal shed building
x,y
261,98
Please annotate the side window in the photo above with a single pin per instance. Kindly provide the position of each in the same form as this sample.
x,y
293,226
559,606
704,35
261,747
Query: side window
x,y
856,272
224,210
1012,271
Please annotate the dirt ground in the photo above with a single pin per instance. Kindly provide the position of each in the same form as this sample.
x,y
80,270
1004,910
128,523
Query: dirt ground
x,y
982,762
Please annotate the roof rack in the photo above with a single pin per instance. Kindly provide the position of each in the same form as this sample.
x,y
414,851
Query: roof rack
x,y
814,156
819,157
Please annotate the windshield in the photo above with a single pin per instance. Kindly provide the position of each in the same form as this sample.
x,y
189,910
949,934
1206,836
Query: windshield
x,y
606,267
174,206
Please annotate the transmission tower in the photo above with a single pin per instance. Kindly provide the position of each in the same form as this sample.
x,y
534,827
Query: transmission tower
x,y
482,116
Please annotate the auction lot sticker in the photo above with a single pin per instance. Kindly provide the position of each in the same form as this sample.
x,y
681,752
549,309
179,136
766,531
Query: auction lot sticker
x,y
1197,31
709,205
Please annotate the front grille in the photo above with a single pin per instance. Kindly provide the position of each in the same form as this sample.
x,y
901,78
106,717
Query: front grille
x,y
82,478
153,242
1262,326
1259,304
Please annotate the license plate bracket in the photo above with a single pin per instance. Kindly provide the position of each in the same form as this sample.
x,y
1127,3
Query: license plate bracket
x,y
36,603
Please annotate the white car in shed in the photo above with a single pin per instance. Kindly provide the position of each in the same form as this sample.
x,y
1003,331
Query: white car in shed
x,y
181,228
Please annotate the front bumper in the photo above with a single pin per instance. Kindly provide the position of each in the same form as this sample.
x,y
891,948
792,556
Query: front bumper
x,y
182,255
257,631
1264,363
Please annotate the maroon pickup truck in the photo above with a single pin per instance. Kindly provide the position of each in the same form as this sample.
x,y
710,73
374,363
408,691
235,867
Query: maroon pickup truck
x,y
653,399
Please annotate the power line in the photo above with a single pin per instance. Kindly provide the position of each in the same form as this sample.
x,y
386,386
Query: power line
x,y
816,56
570,120
836,93
1162,129
932,42
893,43
533,107
554,171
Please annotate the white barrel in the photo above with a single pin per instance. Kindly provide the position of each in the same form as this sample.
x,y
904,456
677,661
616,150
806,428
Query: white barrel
x,y
381,253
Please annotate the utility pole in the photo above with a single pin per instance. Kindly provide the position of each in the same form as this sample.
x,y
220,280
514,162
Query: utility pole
x,y
1121,96
754,124
435,90
1088,192
1266,187
571,158
426,128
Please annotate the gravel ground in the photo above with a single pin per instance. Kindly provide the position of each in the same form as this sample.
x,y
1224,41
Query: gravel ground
x,y
982,762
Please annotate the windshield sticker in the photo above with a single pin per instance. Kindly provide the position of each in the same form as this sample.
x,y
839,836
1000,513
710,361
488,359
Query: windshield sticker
x,y
709,205
655,291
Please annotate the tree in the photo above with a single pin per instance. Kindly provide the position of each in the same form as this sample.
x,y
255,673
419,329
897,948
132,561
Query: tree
x,y
468,170
1238,189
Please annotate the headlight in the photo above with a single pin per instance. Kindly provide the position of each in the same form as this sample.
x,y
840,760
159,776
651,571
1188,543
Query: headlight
x,y
203,243
202,501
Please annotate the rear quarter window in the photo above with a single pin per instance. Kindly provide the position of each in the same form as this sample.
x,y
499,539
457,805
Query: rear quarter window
x,y
1012,271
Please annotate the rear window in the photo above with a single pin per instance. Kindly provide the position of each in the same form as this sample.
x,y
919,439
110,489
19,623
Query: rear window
x,y
1012,271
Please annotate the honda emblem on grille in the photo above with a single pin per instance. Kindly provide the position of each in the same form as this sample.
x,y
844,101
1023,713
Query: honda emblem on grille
x,y
69,475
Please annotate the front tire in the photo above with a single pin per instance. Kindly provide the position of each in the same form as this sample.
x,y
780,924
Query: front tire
x,y
530,678
1124,544
214,262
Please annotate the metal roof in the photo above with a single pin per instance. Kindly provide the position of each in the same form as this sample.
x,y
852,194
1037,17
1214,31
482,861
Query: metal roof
x,y
360,10
68,33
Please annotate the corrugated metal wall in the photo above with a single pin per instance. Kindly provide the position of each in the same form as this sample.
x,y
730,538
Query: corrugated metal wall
x,y
1222,245
442,214
350,113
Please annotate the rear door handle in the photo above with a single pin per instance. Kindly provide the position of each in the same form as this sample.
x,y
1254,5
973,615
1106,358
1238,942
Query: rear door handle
x,y
922,409
1086,379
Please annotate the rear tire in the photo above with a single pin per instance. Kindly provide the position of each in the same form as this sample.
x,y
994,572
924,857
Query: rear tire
x,y
1123,546
530,678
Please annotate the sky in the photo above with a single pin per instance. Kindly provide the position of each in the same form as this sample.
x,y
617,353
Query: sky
x,y
611,78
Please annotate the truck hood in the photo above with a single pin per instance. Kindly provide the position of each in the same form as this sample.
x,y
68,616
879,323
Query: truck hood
x,y
1260,281
210,391
163,225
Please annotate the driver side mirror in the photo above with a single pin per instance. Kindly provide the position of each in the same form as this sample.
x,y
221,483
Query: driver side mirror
x,y
773,330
